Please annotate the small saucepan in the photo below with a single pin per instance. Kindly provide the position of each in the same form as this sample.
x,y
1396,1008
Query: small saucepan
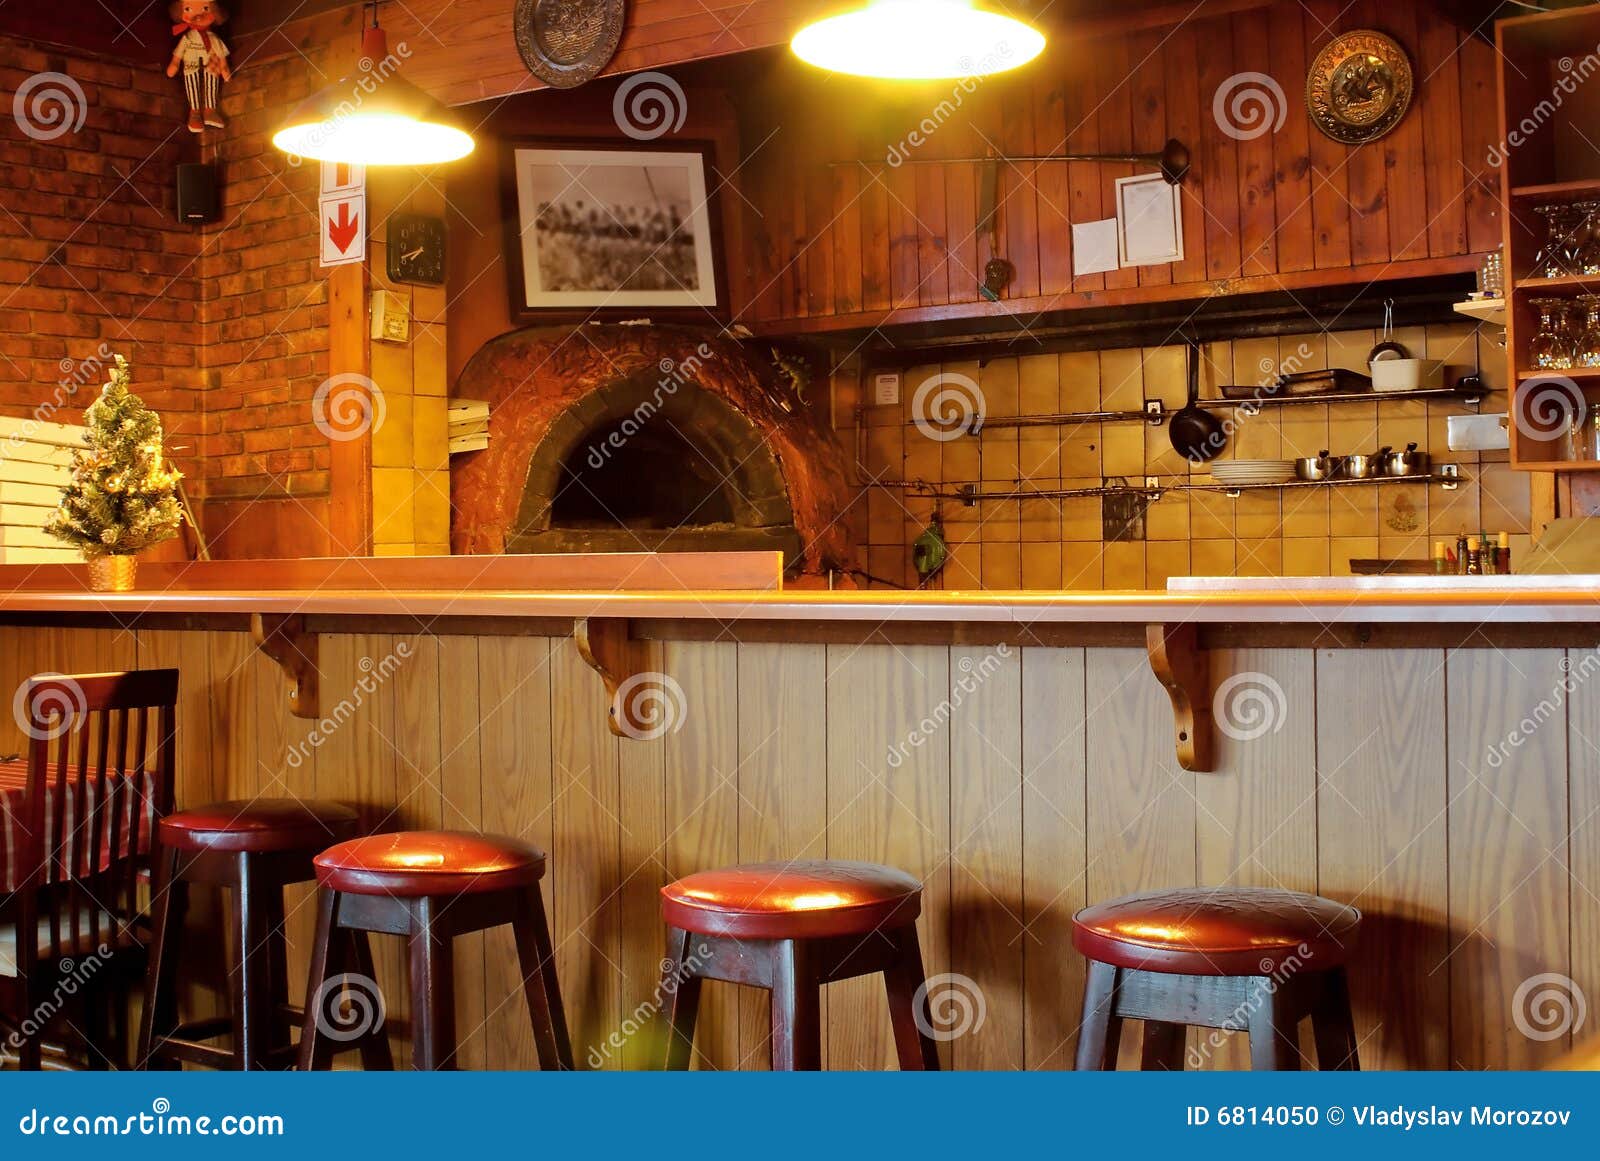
x,y
1196,434
1365,467
1318,468
1410,462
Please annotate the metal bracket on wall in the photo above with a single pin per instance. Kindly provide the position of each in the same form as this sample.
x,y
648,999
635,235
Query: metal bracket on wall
x,y
284,638
1183,666
632,678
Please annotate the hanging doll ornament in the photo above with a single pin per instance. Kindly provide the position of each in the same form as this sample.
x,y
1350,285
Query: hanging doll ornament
x,y
203,58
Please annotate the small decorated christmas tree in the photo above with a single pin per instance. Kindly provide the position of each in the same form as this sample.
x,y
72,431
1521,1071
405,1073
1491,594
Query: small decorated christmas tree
x,y
123,496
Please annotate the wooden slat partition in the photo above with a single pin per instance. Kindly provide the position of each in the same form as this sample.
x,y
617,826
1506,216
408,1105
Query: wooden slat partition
x,y
1023,785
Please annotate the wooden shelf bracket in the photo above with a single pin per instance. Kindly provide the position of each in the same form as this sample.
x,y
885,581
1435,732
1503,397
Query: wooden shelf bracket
x,y
1183,666
284,638
632,679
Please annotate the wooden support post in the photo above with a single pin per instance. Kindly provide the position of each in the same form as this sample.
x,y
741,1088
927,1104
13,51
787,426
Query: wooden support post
x,y
1183,666
284,638
632,680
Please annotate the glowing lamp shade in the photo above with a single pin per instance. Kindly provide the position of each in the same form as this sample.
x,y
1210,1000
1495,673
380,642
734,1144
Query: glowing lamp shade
x,y
919,40
377,118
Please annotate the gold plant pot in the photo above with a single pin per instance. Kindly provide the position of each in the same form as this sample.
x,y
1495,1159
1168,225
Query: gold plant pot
x,y
112,574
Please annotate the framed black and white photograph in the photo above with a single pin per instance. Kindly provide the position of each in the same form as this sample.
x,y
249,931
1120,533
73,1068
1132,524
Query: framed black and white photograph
x,y
612,232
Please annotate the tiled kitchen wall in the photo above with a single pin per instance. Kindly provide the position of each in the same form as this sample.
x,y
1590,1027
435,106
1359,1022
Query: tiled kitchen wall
x,y
1049,544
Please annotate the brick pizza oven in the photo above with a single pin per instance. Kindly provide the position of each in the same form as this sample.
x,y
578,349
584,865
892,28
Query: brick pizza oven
x,y
614,438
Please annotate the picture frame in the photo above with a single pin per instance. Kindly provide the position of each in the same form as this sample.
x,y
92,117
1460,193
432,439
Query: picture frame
x,y
609,230
1149,221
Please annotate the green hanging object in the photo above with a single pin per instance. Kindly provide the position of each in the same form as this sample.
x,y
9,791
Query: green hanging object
x,y
929,551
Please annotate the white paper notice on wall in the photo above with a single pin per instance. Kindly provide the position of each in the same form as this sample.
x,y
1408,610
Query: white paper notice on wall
x,y
1094,247
342,226
1149,220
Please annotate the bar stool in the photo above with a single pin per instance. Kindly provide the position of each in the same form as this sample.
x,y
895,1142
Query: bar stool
x,y
253,850
1250,960
431,886
790,928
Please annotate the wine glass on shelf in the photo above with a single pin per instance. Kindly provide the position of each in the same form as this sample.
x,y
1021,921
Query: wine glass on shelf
x,y
1551,348
1586,352
1586,254
1557,255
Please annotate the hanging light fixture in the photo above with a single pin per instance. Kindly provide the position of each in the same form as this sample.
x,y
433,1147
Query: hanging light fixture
x,y
377,118
919,40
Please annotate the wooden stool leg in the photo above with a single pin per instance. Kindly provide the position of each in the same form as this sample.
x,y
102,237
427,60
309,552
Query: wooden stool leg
x,y
537,958
908,1011
1332,1026
796,1009
433,998
1101,1031
315,1053
376,1055
680,989
1163,1047
158,1018
252,991
280,1032
1274,1034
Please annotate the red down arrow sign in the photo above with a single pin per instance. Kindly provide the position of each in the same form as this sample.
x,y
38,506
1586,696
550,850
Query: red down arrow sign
x,y
344,238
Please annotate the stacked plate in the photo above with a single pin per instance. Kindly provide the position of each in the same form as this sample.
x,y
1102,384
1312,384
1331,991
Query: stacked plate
x,y
1237,472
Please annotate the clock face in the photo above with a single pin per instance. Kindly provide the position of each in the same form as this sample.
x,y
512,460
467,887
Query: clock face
x,y
416,249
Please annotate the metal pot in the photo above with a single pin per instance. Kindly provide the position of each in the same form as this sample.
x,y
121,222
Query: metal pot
x,y
1196,434
1365,467
1319,468
1410,462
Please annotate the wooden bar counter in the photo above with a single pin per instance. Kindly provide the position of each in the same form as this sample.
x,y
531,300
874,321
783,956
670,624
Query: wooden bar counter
x,y
1430,754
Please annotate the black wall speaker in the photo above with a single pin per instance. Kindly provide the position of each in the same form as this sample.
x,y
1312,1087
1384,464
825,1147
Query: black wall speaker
x,y
197,193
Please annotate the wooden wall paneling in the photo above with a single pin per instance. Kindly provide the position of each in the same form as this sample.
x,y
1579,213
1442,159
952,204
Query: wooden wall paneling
x,y
780,153
1509,885
1256,815
1088,204
1481,199
845,197
586,849
642,767
1291,144
1020,215
821,212
931,209
987,906
513,711
1367,166
234,706
876,292
1054,852
972,131
1258,212
1180,66
1053,192
702,806
1141,803
1114,117
783,788
905,234
1331,211
1405,150
1218,156
877,699
1447,167
1147,53
1583,773
1382,844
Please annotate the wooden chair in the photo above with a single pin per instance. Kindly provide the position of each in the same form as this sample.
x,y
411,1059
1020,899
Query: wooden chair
x,y
99,775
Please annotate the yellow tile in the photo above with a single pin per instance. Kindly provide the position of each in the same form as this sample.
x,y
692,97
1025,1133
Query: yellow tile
x,y
923,456
1216,368
1000,452
1255,361
1041,566
1305,430
1259,558
1122,447
1305,556
1505,499
961,459
1080,381
961,569
1124,565
1257,437
1349,349
1353,511
394,440
1343,549
1305,512
391,368
1002,566
1211,517
1166,375
1122,380
428,359
428,304
1040,520
885,516
1081,456
1353,428
998,381
1039,454
892,565
1080,518
1212,558
1039,385
431,432
1168,517
431,506
394,550
1083,566
392,510
1000,522
886,451
1302,352
1164,560
1257,514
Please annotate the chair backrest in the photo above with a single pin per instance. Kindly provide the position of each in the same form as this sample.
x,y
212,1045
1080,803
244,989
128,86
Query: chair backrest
x,y
101,755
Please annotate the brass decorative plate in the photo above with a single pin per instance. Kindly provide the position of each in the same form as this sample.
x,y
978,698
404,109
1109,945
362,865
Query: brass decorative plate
x,y
567,42
1359,87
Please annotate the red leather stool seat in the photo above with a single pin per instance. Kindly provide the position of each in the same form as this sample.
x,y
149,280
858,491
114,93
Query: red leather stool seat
x,y
803,900
420,863
261,826
1233,931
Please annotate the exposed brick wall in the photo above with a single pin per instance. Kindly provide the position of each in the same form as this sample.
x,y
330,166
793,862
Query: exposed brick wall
x,y
92,259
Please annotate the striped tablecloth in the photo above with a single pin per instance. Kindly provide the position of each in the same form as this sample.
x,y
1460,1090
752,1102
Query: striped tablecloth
x,y
13,825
